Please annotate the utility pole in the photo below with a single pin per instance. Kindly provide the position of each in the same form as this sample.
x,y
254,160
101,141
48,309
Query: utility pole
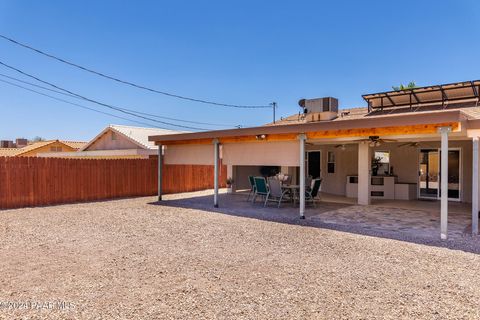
x,y
274,106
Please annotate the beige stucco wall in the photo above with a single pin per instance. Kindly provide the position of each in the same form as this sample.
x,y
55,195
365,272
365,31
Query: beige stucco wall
x,y
405,162
246,157
262,153
346,164
241,174
189,154
105,142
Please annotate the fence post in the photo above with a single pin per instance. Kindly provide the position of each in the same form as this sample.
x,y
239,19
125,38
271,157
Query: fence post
x,y
160,163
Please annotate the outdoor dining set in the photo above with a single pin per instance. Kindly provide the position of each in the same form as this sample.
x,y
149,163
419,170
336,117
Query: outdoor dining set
x,y
279,189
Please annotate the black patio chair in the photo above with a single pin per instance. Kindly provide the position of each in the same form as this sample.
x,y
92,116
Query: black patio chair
x,y
252,187
310,195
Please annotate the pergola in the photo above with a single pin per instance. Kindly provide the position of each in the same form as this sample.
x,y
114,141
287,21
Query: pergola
x,y
437,95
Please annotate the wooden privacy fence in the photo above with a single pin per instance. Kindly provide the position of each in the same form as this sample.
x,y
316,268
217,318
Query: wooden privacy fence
x,y
32,181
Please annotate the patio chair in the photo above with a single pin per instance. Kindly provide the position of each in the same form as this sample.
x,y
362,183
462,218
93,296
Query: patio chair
x,y
252,187
261,188
310,195
308,182
276,193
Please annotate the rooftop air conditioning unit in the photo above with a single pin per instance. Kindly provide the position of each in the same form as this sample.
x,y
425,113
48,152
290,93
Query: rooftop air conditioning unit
x,y
319,109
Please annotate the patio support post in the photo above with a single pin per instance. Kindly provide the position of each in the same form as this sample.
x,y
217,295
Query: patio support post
x,y
364,167
475,185
444,181
160,163
215,169
302,137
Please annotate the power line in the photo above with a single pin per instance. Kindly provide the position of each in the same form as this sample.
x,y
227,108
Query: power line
x,y
132,113
128,82
76,104
147,114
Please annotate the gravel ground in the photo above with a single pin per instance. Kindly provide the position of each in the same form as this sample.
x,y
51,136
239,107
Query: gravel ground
x,y
128,259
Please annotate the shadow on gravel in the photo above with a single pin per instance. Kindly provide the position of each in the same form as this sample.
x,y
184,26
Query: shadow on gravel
x,y
236,205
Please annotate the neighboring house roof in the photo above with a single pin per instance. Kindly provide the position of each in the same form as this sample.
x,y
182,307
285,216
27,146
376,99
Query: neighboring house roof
x,y
33,146
8,152
77,145
137,135
36,145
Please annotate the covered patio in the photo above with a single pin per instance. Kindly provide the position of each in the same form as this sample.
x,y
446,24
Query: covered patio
x,y
352,192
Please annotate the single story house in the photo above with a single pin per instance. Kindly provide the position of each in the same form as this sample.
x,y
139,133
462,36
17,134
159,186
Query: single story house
x,y
117,142
39,148
420,143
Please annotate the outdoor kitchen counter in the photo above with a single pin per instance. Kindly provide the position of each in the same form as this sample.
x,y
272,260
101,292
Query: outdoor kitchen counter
x,y
383,187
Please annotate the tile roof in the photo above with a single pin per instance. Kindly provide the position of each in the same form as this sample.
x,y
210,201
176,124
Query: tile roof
x,y
469,109
74,144
33,146
140,134
344,114
10,152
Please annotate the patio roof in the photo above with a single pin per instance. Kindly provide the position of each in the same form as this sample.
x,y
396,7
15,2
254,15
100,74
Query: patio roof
x,y
436,94
407,123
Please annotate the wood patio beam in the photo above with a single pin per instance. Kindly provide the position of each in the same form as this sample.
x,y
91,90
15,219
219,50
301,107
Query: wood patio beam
x,y
385,131
325,134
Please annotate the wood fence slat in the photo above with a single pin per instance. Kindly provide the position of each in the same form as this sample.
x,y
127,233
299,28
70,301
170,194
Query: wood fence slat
x,y
32,181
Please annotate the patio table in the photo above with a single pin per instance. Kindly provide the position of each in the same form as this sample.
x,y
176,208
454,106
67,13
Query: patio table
x,y
294,190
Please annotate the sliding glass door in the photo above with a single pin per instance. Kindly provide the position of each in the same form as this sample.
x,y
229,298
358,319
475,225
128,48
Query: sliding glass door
x,y
429,174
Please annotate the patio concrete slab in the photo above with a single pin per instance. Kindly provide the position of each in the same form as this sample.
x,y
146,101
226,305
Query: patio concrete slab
x,y
413,218
396,219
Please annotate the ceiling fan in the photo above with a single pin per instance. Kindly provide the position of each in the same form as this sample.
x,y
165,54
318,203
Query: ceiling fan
x,y
376,141
410,144
417,144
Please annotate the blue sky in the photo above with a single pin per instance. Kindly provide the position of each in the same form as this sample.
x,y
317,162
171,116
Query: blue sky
x,y
238,52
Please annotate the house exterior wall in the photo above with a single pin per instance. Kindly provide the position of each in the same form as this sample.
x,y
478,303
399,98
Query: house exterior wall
x,y
48,148
346,164
404,160
241,174
112,141
247,158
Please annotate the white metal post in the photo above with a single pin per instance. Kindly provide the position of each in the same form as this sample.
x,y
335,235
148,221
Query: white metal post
x,y
215,169
302,137
444,182
160,162
475,185
364,167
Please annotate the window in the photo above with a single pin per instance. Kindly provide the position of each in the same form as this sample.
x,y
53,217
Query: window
x,y
384,162
331,162
114,136
55,149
